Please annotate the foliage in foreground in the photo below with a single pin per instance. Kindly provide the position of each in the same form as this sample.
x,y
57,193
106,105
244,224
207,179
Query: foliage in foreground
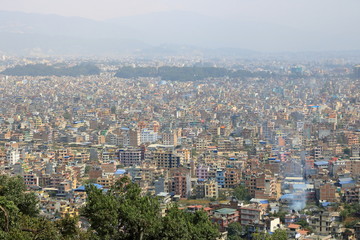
x,y
123,213
279,234
19,216
120,213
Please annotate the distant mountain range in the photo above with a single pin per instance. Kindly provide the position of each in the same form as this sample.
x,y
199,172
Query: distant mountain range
x,y
158,33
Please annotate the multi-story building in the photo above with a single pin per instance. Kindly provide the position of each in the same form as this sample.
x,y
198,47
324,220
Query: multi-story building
x,y
31,179
352,195
326,192
64,188
148,136
169,138
261,186
325,223
232,177
202,172
180,184
130,157
220,178
166,159
224,216
211,189
161,185
206,189
12,153
106,182
249,215
134,138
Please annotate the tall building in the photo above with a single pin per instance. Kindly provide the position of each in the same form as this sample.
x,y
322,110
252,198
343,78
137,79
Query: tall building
x,y
180,184
12,153
130,157
134,138
211,189
169,138
326,192
166,159
357,71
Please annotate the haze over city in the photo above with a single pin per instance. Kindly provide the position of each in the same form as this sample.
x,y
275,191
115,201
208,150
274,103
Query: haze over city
x,y
258,25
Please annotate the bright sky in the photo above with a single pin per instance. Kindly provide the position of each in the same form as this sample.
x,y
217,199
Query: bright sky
x,y
279,11
335,22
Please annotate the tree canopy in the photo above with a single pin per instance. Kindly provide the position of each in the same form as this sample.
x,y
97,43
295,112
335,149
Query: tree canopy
x,y
13,190
46,70
242,193
124,213
235,231
279,234
19,213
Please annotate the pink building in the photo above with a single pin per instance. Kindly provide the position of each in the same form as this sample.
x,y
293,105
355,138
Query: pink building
x,y
202,172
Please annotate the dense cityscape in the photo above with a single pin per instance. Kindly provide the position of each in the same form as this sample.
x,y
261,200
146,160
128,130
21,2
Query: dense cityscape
x,y
245,148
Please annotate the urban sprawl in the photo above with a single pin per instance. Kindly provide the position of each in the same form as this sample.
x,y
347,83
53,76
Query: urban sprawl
x,y
274,146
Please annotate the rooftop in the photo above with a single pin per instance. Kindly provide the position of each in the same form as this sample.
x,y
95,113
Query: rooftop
x,y
225,211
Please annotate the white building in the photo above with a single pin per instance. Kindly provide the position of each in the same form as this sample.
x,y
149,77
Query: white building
x,y
148,136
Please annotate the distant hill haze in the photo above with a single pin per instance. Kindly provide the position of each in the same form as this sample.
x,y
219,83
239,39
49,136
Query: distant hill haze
x,y
159,33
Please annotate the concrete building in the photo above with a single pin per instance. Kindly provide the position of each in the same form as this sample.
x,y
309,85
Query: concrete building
x,y
224,216
166,159
131,157
180,184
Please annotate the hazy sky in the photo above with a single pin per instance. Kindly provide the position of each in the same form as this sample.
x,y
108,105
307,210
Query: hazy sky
x,y
290,12
333,24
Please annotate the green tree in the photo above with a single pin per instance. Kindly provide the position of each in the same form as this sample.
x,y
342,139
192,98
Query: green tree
x,y
102,211
235,231
26,227
14,189
45,70
261,236
350,210
279,234
303,223
201,228
8,214
67,115
222,196
280,215
87,169
124,213
178,224
36,228
113,109
19,215
347,151
242,193
68,227
139,215
175,225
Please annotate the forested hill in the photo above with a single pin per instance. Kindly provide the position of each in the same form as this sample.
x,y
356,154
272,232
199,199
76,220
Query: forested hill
x,y
46,70
186,73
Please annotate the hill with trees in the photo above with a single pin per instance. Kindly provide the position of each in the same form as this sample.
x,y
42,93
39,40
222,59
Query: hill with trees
x,y
46,70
